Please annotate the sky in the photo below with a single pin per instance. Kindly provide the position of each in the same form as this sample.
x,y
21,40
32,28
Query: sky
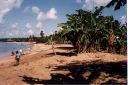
x,y
21,18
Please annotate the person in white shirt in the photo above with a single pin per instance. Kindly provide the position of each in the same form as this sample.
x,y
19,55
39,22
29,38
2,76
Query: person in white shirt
x,y
21,51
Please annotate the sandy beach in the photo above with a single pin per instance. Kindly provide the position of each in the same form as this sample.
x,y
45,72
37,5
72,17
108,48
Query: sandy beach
x,y
38,65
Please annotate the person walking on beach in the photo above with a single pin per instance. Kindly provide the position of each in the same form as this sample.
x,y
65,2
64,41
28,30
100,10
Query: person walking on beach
x,y
17,57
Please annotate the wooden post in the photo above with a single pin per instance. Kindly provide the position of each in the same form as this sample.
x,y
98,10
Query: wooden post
x,y
53,46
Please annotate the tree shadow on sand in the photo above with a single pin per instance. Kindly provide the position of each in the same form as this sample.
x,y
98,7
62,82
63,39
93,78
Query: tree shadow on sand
x,y
66,51
65,48
83,73
68,54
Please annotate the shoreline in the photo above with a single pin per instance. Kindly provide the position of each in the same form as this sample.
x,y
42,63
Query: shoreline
x,y
9,56
20,42
35,48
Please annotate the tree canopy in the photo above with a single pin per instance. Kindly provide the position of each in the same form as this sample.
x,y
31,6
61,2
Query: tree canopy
x,y
89,31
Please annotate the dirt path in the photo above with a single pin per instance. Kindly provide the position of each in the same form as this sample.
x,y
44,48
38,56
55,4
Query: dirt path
x,y
39,66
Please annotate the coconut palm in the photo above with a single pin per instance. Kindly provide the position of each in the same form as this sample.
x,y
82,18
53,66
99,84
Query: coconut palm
x,y
118,3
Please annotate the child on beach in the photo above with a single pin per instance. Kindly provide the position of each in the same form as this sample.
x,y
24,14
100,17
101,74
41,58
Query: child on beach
x,y
17,57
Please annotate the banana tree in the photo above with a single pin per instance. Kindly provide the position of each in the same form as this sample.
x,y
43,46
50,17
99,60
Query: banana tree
x,y
86,30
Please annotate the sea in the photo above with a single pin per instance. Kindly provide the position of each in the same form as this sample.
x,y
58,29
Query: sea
x,y
7,47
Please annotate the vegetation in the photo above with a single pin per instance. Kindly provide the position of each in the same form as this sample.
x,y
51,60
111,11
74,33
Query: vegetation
x,y
87,31
90,31
14,39
117,3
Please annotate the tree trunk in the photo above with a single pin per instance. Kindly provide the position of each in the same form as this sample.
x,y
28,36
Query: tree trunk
x,y
111,41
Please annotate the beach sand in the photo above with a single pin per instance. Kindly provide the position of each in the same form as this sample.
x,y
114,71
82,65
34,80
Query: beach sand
x,y
37,65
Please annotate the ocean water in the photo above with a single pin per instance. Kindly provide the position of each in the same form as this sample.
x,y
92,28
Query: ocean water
x,y
7,47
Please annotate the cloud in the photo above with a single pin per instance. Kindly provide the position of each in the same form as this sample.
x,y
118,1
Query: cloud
x,y
30,32
78,1
123,19
10,34
28,26
14,25
91,4
35,10
6,6
39,25
51,14
18,3
42,16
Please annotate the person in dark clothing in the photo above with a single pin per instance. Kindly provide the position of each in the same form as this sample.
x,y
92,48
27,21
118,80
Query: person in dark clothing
x,y
13,52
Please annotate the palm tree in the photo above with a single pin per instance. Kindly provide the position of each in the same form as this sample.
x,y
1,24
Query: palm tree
x,y
118,3
42,34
